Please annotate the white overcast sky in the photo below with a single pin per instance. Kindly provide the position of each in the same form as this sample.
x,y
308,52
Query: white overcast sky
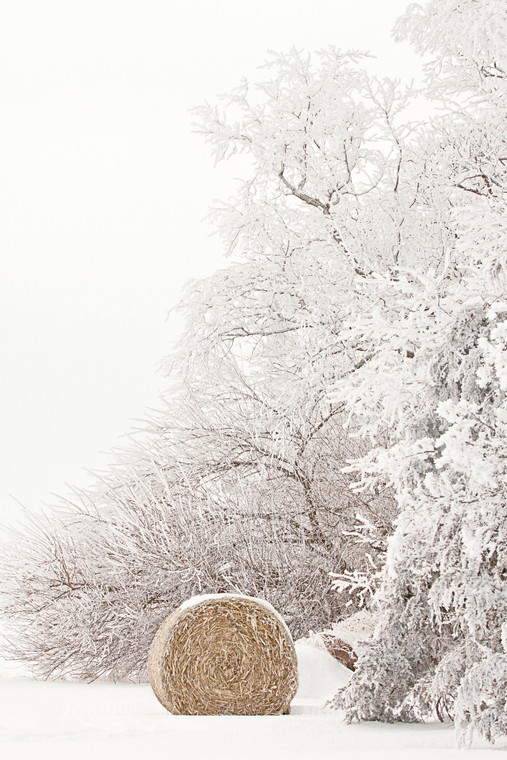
x,y
103,190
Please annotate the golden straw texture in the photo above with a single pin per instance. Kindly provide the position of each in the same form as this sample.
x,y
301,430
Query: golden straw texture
x,y
223,655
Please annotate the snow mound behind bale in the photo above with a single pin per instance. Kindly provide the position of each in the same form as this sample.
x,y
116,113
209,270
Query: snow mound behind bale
x,y
223,654
320,675
343,639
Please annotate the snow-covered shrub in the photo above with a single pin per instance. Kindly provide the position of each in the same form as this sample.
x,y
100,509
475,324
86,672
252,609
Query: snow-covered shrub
x,y
84,594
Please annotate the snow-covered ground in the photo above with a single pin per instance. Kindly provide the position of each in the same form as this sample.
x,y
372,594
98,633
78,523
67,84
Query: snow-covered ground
x,y
71,721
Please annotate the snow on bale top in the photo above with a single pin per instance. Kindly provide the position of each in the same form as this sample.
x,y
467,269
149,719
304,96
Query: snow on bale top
x,y
204,597
224,654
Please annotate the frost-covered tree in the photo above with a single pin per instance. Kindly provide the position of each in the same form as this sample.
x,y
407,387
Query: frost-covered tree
x,y
441,644
238,485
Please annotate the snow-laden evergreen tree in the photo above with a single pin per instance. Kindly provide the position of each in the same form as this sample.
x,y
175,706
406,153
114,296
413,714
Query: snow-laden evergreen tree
x,y
437,345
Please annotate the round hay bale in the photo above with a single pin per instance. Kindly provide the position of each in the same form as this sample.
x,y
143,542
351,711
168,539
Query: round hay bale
x,y
224,654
